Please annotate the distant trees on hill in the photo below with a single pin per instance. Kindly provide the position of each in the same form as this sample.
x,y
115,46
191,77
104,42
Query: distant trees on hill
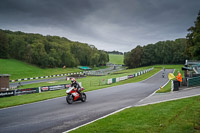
x,y
163,52
49,51
114,52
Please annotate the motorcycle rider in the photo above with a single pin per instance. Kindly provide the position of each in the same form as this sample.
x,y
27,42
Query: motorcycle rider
x,y
76,86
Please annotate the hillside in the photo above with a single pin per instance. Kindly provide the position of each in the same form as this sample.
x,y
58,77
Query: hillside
x,y
49,51
116,59
18,69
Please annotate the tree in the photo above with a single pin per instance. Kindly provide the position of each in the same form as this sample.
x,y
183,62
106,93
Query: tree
x,y
134,57
193,40
3,45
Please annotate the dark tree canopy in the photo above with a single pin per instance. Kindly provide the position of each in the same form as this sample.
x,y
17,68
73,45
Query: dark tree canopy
x,y
163,52
193,40
3,45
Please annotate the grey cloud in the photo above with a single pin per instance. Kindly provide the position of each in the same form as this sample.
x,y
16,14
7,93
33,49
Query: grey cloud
x,y
108,24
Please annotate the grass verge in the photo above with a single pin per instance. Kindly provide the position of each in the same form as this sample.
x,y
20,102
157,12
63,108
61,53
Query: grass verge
x,y
180,116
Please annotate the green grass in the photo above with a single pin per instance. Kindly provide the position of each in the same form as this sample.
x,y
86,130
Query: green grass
x,y
180,116
90,83
116,59
18,69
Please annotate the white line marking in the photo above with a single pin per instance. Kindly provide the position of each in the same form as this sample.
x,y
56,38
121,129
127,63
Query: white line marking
x,y
97,119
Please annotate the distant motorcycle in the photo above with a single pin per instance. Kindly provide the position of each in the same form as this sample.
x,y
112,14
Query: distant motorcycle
x,y
73,95
163,75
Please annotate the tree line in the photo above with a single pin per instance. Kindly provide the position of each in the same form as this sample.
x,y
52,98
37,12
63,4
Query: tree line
x,y
163,52
167,52
49,51
115,52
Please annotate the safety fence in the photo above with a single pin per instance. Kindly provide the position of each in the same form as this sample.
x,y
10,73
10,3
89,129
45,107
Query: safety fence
x,y
99,82
33,90
114,80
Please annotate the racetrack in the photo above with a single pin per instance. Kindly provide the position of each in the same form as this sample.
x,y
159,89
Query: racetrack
x,y
56,115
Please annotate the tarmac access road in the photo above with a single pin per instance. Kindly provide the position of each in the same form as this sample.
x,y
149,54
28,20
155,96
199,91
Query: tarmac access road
x,y
36,81
55,115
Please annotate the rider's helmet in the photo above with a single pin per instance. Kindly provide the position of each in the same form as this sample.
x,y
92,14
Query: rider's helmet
x,y
73,80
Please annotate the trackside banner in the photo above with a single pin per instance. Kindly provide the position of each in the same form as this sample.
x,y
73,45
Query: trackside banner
x,y
26,91
7,93
55,87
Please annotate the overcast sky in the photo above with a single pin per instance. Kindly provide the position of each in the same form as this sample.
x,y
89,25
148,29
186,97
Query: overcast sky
x,y
108,24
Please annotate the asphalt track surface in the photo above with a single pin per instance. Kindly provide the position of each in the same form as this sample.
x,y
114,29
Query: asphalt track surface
x,y
55,115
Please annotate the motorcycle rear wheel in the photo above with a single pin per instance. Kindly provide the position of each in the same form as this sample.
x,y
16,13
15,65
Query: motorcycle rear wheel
x,y
83,97
69,99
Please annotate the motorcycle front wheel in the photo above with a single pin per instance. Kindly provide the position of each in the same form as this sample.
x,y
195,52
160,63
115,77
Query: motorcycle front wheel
x,y
69,99
83,97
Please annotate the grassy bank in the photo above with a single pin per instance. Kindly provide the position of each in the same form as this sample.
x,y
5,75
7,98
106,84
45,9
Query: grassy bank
x,y
116,59
180,116
18,69
29,98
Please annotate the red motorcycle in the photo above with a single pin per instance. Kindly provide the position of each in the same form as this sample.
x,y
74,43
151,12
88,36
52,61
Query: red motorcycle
x,y
73,95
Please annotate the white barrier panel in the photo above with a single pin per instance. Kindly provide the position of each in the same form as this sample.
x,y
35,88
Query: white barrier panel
x,y
109,81
123,78
117,79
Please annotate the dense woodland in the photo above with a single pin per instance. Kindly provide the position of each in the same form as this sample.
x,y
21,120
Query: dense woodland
x,y
49,51
167,52
115,52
